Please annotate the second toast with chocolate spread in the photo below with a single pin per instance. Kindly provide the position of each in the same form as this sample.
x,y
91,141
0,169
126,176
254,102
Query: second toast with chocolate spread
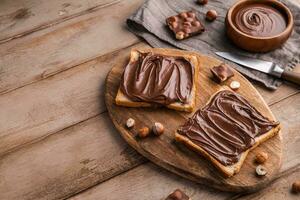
x,y
225,130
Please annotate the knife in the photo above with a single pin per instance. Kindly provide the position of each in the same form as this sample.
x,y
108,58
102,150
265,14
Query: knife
x,y
262,66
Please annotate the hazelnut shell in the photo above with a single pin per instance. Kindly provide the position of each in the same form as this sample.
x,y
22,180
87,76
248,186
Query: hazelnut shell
x,y
202,2
158,128
211,15
296,187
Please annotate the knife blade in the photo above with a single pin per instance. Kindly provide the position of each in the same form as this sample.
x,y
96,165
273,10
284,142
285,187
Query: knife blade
x,y
262,66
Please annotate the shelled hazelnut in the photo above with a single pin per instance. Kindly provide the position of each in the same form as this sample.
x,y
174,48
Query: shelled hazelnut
x,y
143,132
130,123
261,157
261,170
235,85
179,35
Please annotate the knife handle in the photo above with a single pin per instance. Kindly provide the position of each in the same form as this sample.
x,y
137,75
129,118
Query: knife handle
x,y
291,76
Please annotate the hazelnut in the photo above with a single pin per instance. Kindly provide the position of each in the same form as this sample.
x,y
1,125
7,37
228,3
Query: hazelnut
x,y
261,157
189,19
174,24
261,170
179,35
188,24
130,123
173,19
187,30
202,2
296,187
196,23
176,195
191,14
158,128
211,15
235,85
143,132
183,15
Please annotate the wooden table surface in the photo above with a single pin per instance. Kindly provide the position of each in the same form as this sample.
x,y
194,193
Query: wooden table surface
x,y
56,139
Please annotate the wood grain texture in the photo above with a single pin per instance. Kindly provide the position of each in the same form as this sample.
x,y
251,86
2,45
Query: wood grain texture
x,y
37,110
94,73
149,182
138,187
32,109
76,41
279,190
274,96
97,139
163,151
60,178
22,17
67,162
288,113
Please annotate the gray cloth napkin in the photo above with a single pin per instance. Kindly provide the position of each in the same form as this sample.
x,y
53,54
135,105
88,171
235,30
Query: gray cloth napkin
x,y
149,23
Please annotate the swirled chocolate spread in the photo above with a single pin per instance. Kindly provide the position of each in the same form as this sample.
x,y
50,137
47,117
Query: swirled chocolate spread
x,y
226,127
260,20
158,79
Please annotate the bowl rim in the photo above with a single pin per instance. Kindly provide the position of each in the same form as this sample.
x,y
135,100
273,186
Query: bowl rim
x,y
290,19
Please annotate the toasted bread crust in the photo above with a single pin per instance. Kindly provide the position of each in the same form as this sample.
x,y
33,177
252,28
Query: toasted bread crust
x,y
122,100
229,170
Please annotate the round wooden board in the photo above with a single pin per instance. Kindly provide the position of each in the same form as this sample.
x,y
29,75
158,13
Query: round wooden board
x,y
165,152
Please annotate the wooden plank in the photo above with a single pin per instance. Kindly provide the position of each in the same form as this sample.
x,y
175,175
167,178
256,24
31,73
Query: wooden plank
x,y
45,107
66,162
22,17
279,190
284,91
43,54
288,113
91,152
148,182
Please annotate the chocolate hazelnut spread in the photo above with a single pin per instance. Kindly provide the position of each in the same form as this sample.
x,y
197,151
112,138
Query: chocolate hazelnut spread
x,y
260,20
226,127
158,79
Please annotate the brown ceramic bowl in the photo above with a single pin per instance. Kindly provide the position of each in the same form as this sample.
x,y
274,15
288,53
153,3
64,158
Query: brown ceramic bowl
x,y
258,44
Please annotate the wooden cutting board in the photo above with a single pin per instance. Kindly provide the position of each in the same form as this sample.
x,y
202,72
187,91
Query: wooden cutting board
x,y
165,152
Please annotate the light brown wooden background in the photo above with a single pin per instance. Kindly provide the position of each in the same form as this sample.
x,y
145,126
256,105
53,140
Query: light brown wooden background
x,y
56,139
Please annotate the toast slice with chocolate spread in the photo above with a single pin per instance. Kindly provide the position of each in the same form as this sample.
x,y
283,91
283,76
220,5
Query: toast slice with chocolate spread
x,y
157,77
225,130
